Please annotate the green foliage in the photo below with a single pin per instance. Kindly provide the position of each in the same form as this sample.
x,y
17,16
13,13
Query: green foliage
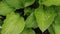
x,y
44,18
19,3
51,29
5,9
31,20
27,31
13,24
51,2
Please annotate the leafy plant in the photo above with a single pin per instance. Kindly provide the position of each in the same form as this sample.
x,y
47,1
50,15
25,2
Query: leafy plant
x,y
21,16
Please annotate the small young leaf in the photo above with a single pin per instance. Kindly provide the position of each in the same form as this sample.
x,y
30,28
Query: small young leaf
x,y
19,3
28,2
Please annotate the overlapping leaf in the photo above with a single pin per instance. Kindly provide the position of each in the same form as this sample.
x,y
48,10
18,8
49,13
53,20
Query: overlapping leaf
x,y
31,20
19,3
51,2
56,25
5,9
27,31
51,29
13,24
44,18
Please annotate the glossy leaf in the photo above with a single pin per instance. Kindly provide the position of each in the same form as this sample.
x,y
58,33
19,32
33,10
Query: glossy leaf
x,y
44,18
13,24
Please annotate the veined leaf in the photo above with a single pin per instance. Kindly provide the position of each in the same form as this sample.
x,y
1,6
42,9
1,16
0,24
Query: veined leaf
x,y
44,18
13,24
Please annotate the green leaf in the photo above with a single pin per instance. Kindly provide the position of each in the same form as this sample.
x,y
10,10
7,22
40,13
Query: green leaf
x,y
56,28
5,9
19,3
44,17
15,3
51,29
51,2
56,25
27,31
28,2
13,24
31,21
28,11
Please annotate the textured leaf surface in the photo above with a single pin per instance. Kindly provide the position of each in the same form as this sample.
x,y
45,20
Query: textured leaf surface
x,y
5,9
27,31
13,24
44,18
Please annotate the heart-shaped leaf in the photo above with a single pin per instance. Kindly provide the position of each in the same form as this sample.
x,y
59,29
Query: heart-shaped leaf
x,y
44,18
